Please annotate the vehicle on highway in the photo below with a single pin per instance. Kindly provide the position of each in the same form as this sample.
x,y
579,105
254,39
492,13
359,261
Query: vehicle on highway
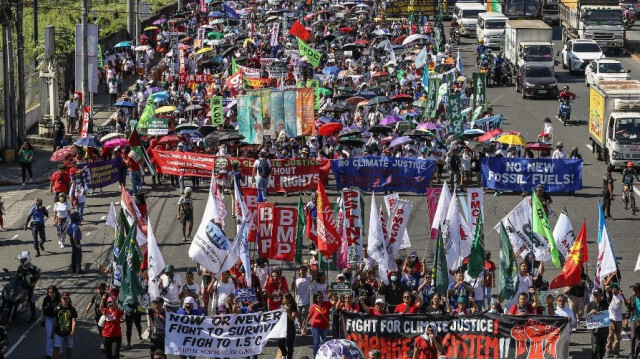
x,y
14,299
605,70
528,43
577,54
597,20
614,121
490,29
565,109
539,81
466,14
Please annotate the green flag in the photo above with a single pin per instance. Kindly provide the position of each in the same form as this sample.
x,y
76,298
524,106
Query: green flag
x,y
130,260
455,115
100,63
313,56
121,232
234,66
300,231
479,89
149,112
432,94
441,268
508,267
541,226
476,257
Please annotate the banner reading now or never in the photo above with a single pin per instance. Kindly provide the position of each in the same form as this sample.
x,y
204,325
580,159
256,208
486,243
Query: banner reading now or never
x,y
374,173
523,175
222,336
477,336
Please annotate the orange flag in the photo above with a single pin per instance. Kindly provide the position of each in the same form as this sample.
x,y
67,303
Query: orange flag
x,y
328,240
578,255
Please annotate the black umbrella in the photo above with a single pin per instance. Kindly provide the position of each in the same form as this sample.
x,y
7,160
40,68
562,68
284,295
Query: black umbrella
x,y
207,130
349,132
231,137
229,50
481,147
416,133
379,129
186,126
345,89
334,109
352,141
378,100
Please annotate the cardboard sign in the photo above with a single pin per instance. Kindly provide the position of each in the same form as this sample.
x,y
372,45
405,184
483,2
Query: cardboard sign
x,y
246,295
598,320
340,288
158,126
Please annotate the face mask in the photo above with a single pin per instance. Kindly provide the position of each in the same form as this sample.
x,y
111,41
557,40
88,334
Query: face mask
x,y
78,180
394,278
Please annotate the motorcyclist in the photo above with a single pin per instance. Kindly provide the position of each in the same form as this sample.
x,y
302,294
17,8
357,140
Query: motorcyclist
x,y
498,63
629,13
565,94
453,26
29,274
481,49
628,174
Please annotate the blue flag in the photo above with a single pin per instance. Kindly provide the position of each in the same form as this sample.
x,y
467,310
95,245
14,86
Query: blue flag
x,y
425,80
459,64
229,11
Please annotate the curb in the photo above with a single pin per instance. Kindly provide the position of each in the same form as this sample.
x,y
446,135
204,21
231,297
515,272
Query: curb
x,y
635,57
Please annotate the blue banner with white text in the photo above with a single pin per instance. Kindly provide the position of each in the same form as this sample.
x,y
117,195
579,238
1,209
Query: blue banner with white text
x,y
488,123
523,175
373,173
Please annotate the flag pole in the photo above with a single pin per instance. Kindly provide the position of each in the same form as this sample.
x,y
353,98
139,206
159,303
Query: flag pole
x,y
533,193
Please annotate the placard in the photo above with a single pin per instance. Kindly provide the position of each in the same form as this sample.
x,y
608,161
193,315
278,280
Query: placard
x,y
340,288
246,295
158,126
597,320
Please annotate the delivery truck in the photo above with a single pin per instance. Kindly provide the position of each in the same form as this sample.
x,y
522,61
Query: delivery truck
x,y
614,121
599,20
528,43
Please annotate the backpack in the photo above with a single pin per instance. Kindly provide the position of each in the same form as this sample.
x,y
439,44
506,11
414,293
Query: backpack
x,y
263,168
186,209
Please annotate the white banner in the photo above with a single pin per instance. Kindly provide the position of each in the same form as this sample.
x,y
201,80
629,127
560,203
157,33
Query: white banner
x,y
249,72
475,205
353,224
597,320
397,226
451,233
155,261
274,33
518,226
376,241
442,208
388,201
210,246
563,235
222,336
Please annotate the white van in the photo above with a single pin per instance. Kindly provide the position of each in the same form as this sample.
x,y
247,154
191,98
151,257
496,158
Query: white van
x,y
466,14
490,28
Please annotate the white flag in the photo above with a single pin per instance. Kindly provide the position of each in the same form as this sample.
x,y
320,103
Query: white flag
x,y
388,202
396,227
155,261
466,237
442,208
606,260
210,246
517,223
239,251
563,235
421,58
219,209
637,264
112,220
376,243
451,234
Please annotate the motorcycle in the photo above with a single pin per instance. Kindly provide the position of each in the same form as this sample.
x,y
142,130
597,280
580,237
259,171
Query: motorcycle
x,y
565,110
454,35
628,21
14,299
500,75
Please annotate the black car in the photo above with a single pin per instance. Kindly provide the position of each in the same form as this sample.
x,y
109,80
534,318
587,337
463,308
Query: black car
x,y
536,81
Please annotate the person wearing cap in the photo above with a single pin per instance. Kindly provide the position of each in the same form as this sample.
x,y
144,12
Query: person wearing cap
x,y
64,326
112,331
462,306
169,285
544,197
559,153
616,303
36,220
157,319
319,318
377,309
60,182
190,307
261,172
411,279
607,191
599,335
136,173
71,112
61,212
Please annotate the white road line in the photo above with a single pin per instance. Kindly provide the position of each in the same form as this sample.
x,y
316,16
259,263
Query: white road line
x,y
48,206
625,335
14,237
102,218
637,191
11,350
117,203
590,147
89,233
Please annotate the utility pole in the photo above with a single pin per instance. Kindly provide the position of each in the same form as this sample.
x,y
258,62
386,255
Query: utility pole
x,y
85,57
35,30
21,117
131,27
7,59
138,25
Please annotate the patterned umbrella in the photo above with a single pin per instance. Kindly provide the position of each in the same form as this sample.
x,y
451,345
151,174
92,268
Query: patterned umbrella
x,y
116,143
339,349
62,153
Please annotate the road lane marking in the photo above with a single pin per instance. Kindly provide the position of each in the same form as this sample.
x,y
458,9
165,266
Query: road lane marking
x,y
102,218
48,206
14,237
88,233
637,191
13,348
590,147
117,203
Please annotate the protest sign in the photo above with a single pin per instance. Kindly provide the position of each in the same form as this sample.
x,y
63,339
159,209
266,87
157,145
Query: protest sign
x,y
103,173
489,123
542,297
222,336
524,174
245,295
184,79
217,114
295,174
276,235
597,320
304,112
157,126
383,173
290,121
341,288
353,224
183,163
517,223
475,204
478,336
389,200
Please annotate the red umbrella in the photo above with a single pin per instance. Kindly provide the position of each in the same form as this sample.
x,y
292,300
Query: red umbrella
x,y
537,146
62,153
362,42
398,40
489,135
347,30
169,140
355,100
402,97
329,128
309,17
380,74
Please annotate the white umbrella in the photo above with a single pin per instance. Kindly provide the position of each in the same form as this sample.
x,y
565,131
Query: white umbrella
x,y
143,48
112,136
414,37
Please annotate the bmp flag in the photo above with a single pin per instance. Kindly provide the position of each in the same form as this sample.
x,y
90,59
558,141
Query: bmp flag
x,y
523,175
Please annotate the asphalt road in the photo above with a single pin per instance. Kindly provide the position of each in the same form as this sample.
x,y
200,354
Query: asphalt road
x,y
526,116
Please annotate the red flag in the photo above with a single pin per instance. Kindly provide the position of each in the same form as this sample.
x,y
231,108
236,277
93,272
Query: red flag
x,y
298,30
310,227
328,238
578,255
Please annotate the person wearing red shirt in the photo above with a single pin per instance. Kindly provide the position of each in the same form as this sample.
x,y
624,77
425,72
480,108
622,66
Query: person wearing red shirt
x,y
428,345
346,304
409,305
60,182
522,306
489,279
132,160
111,332
319,317
378,308
276,287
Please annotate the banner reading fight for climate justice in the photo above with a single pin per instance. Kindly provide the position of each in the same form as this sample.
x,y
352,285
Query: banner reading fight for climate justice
x,y
103,173
478,336
353,225
294,174
304,112
276,235
523,175
383,173
222,336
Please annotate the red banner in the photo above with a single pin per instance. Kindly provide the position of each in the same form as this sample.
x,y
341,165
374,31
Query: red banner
x,y
84,128
182,61
183,163
250,195
276,233
184,79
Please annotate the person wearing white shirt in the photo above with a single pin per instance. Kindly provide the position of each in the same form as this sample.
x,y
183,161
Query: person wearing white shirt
x,y
559,153
221,289
169,285
477,284
615,317
262,271
525,281
547,132
302,288
563,310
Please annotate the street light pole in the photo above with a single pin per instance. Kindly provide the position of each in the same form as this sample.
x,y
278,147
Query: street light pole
x,y
21,135
85,56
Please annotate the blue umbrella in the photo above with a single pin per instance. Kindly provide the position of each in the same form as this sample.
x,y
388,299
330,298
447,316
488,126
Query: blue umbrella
x,y
160,96
88,141
473,132
331,71
124,104
123,44
216,14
